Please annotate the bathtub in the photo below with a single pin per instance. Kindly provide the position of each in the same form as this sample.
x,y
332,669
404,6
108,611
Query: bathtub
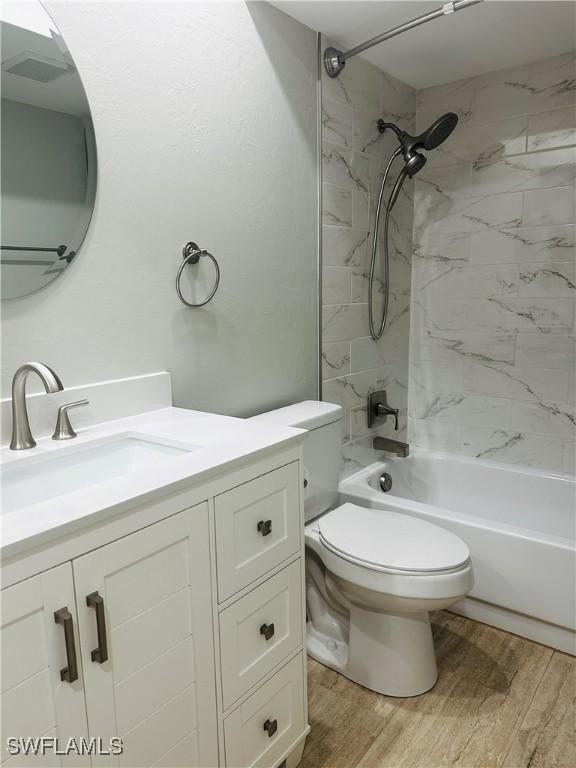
x,y
518,523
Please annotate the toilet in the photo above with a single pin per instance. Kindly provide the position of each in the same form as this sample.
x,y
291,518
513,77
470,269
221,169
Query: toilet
x,y
372,575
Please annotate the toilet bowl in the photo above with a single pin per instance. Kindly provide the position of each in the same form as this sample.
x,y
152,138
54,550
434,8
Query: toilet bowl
x,y
372,576
372,579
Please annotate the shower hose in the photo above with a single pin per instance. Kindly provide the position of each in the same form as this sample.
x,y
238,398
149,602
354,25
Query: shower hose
x,y
377,333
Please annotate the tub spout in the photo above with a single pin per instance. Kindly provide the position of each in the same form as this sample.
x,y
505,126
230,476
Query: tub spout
x,y
391,446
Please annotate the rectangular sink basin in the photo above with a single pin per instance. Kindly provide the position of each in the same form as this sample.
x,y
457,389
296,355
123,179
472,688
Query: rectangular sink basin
x,y
49,476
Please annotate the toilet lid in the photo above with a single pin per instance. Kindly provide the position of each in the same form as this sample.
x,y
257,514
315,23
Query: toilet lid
x,y
382,539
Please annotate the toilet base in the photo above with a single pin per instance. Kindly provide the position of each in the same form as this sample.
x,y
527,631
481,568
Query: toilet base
x,y
392,654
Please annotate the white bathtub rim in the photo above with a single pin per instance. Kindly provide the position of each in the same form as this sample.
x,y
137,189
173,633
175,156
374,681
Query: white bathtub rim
x,y
355,488
471,460
400,504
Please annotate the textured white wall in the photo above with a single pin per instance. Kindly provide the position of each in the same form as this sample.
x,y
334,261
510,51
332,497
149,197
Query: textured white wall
x,y
205,120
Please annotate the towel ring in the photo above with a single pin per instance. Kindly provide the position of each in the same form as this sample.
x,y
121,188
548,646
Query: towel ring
x,y
191,255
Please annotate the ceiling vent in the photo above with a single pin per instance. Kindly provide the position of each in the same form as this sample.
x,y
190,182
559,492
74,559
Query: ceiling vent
x,y
35,67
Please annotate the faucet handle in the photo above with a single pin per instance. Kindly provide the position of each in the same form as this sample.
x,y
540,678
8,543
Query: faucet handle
x,y
64,429
377,407
386,411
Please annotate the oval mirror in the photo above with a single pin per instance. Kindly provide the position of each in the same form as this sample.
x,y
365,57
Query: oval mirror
x,y
48,181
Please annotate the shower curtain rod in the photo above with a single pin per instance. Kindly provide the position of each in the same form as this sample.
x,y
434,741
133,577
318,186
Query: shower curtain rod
x,y
335,60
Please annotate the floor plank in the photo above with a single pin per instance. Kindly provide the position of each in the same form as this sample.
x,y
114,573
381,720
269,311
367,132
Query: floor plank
x,y
547,736
477,713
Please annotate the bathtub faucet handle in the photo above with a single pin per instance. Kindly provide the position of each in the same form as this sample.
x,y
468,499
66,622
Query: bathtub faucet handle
x,y
378,408
384,410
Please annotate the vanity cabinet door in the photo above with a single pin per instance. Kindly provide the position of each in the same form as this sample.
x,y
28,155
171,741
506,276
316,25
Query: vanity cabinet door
x,y
145,615
41,677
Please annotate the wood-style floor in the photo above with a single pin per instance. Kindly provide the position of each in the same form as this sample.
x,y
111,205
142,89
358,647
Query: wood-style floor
x,y
500,700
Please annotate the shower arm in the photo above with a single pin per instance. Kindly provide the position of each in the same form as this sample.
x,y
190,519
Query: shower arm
x,y
334,60
382,126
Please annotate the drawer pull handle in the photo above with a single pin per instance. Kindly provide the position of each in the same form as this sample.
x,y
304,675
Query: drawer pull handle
x,y
265,527
96,601
267,630
271,726
64,617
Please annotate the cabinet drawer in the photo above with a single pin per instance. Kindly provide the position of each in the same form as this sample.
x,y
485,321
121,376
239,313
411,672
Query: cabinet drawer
x,y
257,527
260,731
259,631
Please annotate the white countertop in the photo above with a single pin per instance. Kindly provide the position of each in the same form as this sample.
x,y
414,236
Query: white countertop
x,y
223,441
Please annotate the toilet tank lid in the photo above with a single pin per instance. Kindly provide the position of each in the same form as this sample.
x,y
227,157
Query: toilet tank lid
x,y
309,414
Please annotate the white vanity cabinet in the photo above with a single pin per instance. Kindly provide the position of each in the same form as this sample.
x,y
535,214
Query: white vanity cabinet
x,y
41,676
187,633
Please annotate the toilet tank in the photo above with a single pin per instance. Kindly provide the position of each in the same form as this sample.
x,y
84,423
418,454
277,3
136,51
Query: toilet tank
x,y
322,449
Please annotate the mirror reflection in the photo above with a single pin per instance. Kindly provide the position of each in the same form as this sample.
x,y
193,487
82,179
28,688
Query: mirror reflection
x,y
48,152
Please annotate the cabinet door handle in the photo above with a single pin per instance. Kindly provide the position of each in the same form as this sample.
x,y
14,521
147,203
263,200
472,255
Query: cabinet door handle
x,y
64,617
271,726
96,601
267,630
265,527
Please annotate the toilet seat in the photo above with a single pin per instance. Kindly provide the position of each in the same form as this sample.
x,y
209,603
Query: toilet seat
x,y
405,585
391,542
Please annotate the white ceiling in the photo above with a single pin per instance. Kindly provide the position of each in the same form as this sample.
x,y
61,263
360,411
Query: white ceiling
x,y
485,37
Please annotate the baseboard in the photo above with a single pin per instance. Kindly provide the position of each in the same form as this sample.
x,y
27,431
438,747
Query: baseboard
x,y
560,638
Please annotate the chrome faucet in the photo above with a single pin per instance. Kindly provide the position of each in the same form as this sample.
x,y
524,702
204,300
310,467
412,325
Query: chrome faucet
x,y
21,434
392,446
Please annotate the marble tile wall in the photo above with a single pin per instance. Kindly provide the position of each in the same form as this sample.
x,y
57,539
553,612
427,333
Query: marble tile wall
x,y
493,280
353,159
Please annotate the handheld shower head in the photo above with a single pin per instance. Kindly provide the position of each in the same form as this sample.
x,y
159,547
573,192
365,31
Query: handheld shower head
x,y
435,135
414,162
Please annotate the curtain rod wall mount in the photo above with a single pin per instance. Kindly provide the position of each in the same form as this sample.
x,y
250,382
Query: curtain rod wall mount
x,y
335,60
333,63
